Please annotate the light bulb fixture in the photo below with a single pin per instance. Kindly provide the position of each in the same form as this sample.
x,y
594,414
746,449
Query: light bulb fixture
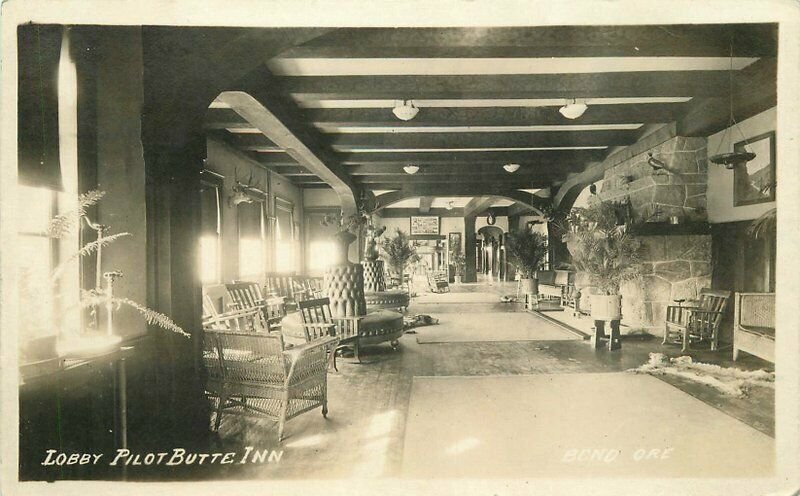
x,y
411,169
511,168
405,110
573,110
449,205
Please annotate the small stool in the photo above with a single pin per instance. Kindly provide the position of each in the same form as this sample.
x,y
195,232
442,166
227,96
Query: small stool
x,y
599,338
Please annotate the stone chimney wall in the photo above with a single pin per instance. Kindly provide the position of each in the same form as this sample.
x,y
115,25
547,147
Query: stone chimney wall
x,y
676,265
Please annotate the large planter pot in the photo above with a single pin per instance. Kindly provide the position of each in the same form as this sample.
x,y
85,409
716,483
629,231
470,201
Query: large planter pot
x,y
530,286
343,240
605,307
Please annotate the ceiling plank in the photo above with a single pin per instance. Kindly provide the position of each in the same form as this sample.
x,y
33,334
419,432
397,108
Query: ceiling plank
x,y
425,204
483,140
577,85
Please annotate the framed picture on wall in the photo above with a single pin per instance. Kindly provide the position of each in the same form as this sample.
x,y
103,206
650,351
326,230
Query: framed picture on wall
x,y
424,224
754,181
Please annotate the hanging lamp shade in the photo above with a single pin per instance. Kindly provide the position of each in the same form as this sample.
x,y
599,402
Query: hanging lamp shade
x,y
511,168
405,110
411,169
573,110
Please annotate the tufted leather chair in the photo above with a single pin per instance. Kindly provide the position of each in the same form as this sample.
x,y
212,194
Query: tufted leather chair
x,y
373,276
345,288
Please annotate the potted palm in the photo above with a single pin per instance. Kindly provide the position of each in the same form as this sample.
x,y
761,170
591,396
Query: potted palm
x,y
398,252
605,252
526,250
460,263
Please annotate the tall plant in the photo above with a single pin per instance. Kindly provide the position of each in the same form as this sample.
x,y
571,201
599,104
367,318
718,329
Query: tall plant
x,y
399,252
527,251
603,248
59,227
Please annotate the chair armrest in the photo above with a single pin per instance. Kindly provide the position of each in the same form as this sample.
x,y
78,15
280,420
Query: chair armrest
x,y
300,350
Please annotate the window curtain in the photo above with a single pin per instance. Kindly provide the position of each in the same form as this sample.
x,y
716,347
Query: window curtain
x,y
285,260
250,220
209,211
39,50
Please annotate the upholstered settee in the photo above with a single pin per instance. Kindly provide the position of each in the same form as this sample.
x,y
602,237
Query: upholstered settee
x,y
344,285
754,325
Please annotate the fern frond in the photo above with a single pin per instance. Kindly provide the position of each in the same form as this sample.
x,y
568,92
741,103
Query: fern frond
x,y
87,249
63,223
94,298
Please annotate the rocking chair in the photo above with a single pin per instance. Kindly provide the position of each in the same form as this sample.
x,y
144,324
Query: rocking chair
x,y
685,324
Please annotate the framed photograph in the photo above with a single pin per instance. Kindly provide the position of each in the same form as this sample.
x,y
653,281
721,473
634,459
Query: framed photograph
x,y
424,225
754,181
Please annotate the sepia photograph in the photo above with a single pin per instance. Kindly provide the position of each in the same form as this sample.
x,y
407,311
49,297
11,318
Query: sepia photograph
x,y
471,248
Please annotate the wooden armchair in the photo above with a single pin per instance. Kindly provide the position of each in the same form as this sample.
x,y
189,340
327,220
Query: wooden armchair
x,y
685,324
319,323
252,374
249,320
247,295
437,283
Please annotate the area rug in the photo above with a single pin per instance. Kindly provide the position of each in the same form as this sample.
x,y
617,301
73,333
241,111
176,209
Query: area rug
x,y
573,425
487,327
728,380
478,297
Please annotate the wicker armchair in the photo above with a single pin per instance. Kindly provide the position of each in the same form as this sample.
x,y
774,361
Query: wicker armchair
x,y
252,374
685,324
754,325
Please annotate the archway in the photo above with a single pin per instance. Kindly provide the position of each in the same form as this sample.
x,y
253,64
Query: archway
x,y
490,257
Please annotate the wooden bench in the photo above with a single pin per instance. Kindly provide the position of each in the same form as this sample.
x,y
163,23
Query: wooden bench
x,y
754,325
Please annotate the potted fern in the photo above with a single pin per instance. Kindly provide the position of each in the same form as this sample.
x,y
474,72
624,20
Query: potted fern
x,y
398,252
603,250
45,351
526,250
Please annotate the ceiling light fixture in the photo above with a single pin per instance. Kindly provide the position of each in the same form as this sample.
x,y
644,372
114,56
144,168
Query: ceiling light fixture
x,y
573,110
405,110
511,168
411,169
731,159
449,205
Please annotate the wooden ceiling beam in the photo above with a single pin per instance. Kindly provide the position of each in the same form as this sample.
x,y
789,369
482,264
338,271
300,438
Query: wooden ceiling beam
x,y
483,140
686,40
503,157
425,203
302,150
575,85
496,116
478,205
457,190
463,169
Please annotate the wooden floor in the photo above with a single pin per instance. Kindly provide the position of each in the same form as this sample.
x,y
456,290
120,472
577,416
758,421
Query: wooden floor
x,y
364,432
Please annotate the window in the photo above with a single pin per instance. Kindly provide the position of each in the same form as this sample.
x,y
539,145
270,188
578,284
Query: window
x,y
252,246
47,306
284,236
321,254
322,249
209,249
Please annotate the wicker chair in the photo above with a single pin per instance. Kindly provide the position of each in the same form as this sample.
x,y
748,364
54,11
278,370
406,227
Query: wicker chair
x,y
754,325
685,324
252,374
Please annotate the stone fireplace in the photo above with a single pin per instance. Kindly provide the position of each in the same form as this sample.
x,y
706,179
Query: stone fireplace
x,y
668,210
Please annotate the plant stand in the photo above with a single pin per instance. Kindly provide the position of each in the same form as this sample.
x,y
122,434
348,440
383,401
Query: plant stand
x,y
600,339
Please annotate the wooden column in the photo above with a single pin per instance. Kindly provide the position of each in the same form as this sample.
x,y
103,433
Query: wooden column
x,y
470,274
